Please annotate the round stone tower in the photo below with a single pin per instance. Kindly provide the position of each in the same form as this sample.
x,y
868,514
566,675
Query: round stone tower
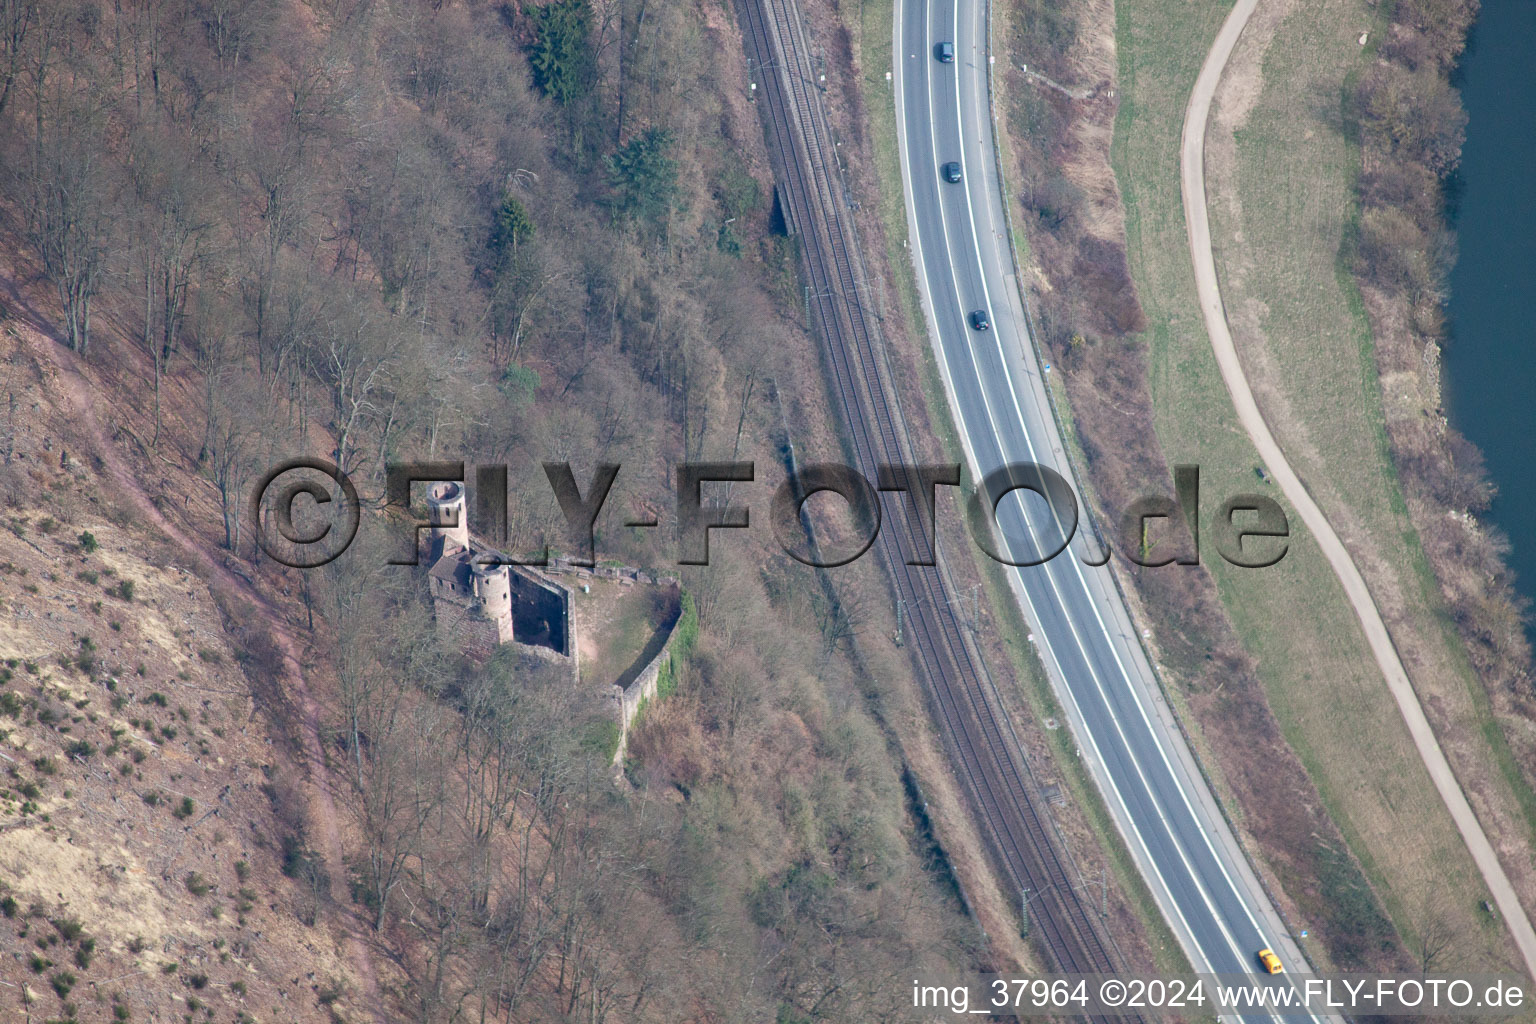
x,y
450,524
493,586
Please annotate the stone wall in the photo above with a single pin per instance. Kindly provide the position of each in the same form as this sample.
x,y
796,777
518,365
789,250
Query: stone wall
x,y
465,627
630,698
642,688
622,573
541,613
543,626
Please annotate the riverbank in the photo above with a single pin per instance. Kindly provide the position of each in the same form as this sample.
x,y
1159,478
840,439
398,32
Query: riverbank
x,y
1283,159
1412,128
1488,360
1400,258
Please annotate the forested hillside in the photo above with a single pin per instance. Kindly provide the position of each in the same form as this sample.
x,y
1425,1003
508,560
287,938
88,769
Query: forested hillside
x,y
380,230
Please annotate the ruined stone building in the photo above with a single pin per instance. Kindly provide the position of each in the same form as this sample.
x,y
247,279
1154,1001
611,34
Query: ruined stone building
x,y
481,605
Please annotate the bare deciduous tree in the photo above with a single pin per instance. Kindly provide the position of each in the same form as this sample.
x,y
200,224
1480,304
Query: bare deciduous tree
x,y
1437,935
170,231
70,191
16,20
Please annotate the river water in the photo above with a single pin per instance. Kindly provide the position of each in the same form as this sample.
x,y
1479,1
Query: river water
x,y
1491,362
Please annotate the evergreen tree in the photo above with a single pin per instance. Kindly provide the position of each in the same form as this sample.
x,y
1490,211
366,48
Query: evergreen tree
x,y
512,227
643,175
561,57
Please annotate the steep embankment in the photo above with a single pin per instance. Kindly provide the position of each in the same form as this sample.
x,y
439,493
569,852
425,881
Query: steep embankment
x,y
170,860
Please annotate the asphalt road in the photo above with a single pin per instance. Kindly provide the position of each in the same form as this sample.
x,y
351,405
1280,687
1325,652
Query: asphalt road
x,y
1197,874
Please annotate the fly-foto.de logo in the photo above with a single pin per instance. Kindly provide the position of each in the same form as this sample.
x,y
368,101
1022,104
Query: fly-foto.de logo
x,y
306,512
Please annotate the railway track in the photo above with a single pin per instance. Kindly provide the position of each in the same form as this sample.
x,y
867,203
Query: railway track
x,y
986,754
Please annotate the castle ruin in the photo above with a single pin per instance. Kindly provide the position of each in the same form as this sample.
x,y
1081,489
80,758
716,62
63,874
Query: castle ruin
x,y
481,603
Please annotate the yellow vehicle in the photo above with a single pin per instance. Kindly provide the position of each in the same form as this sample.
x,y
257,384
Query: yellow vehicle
x,y
1270,961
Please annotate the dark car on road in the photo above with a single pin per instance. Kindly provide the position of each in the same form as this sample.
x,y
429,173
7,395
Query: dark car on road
x,y
951,172
945,53
979,320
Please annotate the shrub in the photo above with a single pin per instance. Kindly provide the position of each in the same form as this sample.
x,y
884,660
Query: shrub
x,y
197,885
666,679
518,384
602,739
125,590
62,982
185,808
685,635
296,857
